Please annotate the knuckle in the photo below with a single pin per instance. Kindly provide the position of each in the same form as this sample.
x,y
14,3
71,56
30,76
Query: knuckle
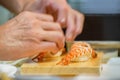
x,y
26,13
82,16
72,30
78,14
50,17
58,27
35,23
78,32
47,16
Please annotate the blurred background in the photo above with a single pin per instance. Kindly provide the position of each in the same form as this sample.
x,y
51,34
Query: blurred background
x,y
5,15
102,18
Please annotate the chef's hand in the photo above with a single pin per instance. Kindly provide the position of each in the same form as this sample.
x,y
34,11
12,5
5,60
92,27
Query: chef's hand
x,y
62,13
28,34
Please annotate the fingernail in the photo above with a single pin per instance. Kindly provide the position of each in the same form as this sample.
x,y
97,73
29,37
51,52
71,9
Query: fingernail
x,y
62,20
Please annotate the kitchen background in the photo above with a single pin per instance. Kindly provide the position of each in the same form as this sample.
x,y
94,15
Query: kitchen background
x,y
5,15
102,18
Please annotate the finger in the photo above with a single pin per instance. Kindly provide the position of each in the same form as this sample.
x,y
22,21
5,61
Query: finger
x,y
54,36
62,16
43,17
70,27
79,20
48,47
50,26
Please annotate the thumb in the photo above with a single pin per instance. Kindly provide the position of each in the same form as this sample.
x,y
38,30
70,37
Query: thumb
x,y
48,47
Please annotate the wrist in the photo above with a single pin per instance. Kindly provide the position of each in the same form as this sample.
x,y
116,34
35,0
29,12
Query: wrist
x,y
15,6
22,4
19,6
31,5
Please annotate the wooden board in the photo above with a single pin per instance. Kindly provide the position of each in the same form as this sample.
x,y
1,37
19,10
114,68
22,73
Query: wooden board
x,y
49,67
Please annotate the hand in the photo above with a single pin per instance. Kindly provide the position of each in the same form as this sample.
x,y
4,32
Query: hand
x,y
28,34
62,13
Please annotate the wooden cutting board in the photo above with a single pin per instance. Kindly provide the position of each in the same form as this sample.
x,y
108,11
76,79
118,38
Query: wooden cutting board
x,y
49,67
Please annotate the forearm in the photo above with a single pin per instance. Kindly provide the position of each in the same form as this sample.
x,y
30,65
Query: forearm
x,y
16,6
